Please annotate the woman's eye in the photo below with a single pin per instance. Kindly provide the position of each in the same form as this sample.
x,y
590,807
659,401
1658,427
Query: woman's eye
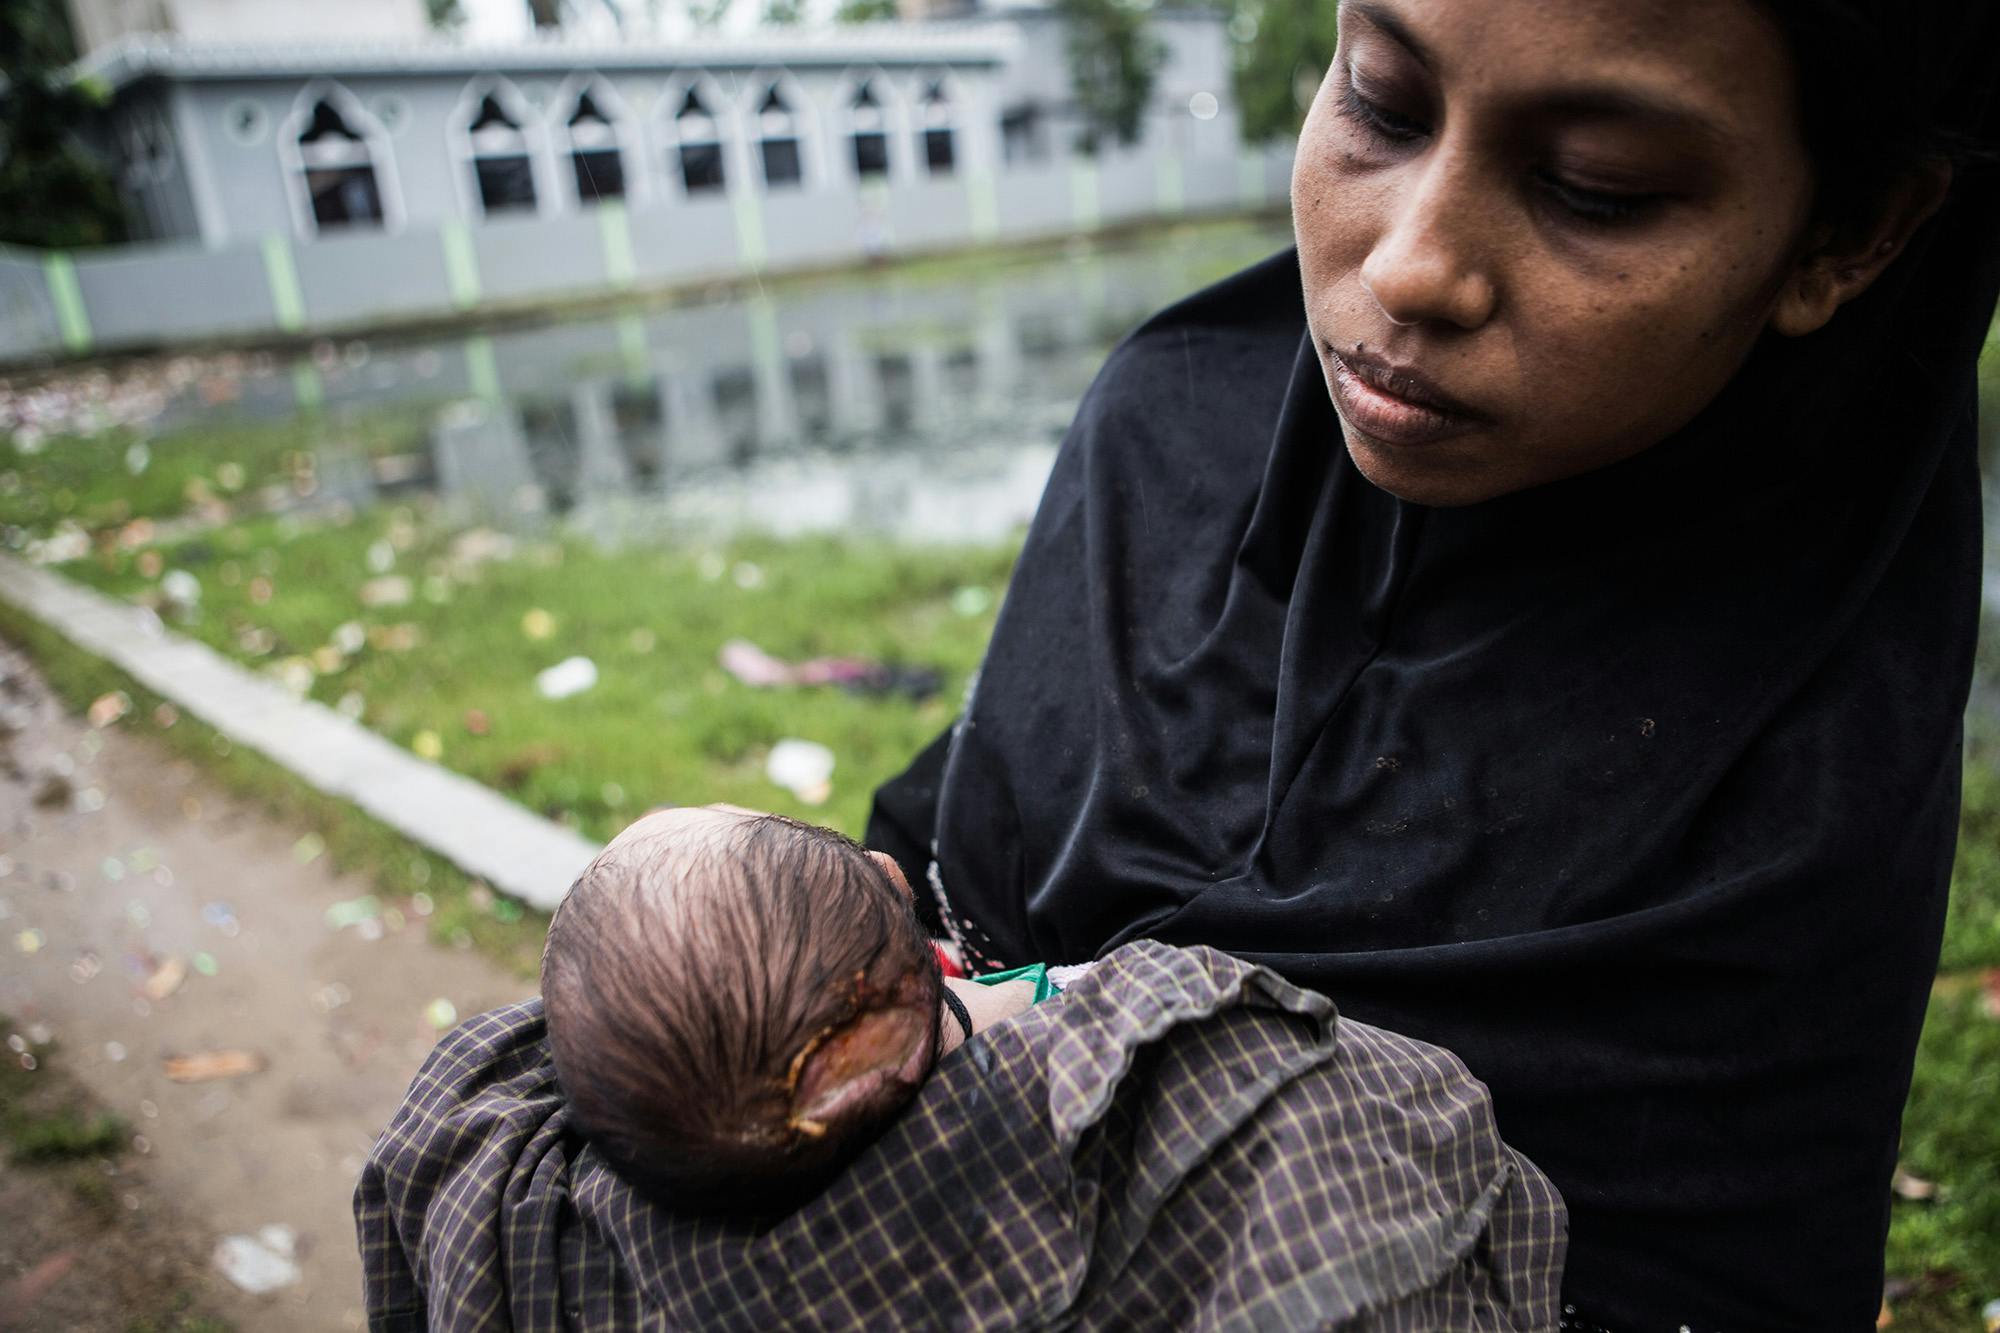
x,y
1377,119
1601,207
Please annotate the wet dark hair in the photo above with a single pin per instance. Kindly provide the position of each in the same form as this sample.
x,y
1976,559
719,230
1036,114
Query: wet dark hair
x,y
686,984
1885,87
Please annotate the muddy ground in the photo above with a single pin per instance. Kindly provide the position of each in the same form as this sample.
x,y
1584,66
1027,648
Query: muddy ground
x,y
122,869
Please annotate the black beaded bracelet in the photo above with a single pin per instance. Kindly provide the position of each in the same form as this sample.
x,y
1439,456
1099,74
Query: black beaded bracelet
x,y
958,1010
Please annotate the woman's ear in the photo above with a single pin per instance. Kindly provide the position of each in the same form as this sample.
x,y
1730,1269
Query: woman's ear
x,y
1836,267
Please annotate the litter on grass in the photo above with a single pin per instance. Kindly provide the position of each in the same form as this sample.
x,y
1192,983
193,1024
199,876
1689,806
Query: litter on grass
x,y
753,666
571,676
804,768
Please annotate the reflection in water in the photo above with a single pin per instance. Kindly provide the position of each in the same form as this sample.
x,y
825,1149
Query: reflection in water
x,y
917,407
638,418
812,398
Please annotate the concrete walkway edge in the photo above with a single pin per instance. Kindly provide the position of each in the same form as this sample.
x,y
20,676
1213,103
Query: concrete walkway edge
x,y
514,850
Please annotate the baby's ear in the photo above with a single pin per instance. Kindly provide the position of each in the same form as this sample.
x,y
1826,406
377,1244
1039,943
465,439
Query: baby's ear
x,y
893,871
875,1057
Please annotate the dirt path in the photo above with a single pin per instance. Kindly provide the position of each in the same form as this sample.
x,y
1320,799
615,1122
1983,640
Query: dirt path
x,y
115,859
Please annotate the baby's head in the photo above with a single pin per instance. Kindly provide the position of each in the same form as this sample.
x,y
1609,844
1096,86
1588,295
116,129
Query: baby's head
x,y
736,1004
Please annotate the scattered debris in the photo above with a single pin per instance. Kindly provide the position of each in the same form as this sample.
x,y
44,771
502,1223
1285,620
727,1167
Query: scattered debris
x,y
207,1066
106,709
1908,1185
398,638
353,911
571,676
804,768
538,624
476,546
296,674
441,1013
972,600
261,1262
165,980
308,848
427,744
476,722
181,588
859,675
387,590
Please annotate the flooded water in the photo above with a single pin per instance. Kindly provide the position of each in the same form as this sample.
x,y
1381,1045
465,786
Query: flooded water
x,y
920,405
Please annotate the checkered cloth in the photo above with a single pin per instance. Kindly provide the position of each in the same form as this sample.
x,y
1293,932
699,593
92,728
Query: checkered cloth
x,y
1182,1140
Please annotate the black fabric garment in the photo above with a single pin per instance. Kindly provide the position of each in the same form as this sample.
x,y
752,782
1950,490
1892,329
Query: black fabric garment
x,y
1638,791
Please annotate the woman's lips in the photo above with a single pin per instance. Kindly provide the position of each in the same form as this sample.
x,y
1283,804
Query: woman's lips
x,y
1391,406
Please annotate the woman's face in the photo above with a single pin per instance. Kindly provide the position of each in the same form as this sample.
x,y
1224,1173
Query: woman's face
x,y
1537,236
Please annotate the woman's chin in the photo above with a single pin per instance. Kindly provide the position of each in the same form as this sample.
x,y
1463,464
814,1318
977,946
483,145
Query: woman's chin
x,y
1443,475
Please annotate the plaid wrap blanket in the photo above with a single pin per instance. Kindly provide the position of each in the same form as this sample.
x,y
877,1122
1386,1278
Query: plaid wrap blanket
x,y
1183,1140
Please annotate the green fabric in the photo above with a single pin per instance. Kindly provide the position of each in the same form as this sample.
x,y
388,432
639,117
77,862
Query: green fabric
x,y
1035,972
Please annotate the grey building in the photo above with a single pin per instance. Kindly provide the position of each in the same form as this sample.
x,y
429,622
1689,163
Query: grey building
x,y
316,185
216,141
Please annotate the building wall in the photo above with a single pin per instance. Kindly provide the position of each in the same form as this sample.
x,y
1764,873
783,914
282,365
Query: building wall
x,y
241,130
256,287
146,155
98,23
230,183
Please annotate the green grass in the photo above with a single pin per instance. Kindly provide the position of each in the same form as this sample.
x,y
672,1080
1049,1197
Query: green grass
x,y
106,480
452,672
51,1125
45,1121
1948,1247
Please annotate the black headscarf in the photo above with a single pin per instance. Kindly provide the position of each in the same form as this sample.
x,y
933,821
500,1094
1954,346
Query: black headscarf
x,y
1638,790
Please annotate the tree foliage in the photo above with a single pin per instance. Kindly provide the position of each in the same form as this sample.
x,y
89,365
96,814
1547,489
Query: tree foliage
x,y
52,191
1283,47
1113,60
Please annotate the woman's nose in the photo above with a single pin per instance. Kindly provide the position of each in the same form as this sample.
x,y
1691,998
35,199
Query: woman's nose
x,y
1425,266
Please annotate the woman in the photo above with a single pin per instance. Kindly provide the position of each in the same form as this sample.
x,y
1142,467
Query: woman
x,y
1550,641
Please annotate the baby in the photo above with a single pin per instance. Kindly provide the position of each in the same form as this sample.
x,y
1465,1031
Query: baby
x,y
738,1003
